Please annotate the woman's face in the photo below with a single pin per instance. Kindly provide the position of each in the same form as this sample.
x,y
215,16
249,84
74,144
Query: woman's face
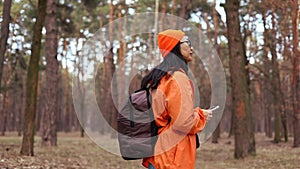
x,y
186,48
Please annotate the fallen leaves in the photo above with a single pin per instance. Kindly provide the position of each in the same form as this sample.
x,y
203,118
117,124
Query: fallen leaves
x,y
81,153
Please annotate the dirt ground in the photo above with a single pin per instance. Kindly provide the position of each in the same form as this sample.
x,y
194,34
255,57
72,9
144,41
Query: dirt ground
x,y
74,152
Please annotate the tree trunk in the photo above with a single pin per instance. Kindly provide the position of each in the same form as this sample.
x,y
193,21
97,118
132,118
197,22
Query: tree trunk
x,y
67,126
23,101
119,85
13,108
276,95
296,74
49,135
82,103
110,70
163,17
182,13
31,83
60,98
102,95
4,33
244,136
81,92
286,88
105,94
21,108
110,109
40,103
268,109
3,41
174,11
275,79
4,113
217,132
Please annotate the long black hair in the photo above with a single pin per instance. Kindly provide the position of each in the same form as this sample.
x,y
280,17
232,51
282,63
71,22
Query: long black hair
x,y
172,62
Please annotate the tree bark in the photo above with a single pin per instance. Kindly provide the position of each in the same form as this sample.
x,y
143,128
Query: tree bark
x,y
81,91
244,136
67,126
275,79
110,70
31,82
4,114
163,17
4,33
3,41
49,135
119,85
21,110
59,110
296,73
40,103
216,134
183,8
268,109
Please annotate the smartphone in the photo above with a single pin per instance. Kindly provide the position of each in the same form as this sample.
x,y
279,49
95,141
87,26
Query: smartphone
x,y
214,107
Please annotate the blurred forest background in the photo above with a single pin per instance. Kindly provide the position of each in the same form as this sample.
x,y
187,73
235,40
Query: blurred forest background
x,y
257,42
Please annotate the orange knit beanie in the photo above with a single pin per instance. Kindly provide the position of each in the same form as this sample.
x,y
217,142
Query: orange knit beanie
x,y
168,39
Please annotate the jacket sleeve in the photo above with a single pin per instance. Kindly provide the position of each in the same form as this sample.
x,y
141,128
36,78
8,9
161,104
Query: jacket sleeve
x,y
185,118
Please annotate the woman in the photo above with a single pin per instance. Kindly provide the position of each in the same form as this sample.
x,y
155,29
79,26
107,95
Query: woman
x,y
172,102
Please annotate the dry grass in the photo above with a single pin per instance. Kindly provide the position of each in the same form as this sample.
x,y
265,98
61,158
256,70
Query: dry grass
x,y
75,152
268,155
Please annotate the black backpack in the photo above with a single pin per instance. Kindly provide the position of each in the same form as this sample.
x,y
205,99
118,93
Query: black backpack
x,y
137,131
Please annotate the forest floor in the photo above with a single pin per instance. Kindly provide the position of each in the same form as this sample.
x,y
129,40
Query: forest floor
x,y
75,152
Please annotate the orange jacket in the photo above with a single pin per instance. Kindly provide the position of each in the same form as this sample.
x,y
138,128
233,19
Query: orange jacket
x,y
178,122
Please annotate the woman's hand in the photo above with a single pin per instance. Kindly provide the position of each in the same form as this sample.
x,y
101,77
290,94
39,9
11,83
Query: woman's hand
x,y
207,113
